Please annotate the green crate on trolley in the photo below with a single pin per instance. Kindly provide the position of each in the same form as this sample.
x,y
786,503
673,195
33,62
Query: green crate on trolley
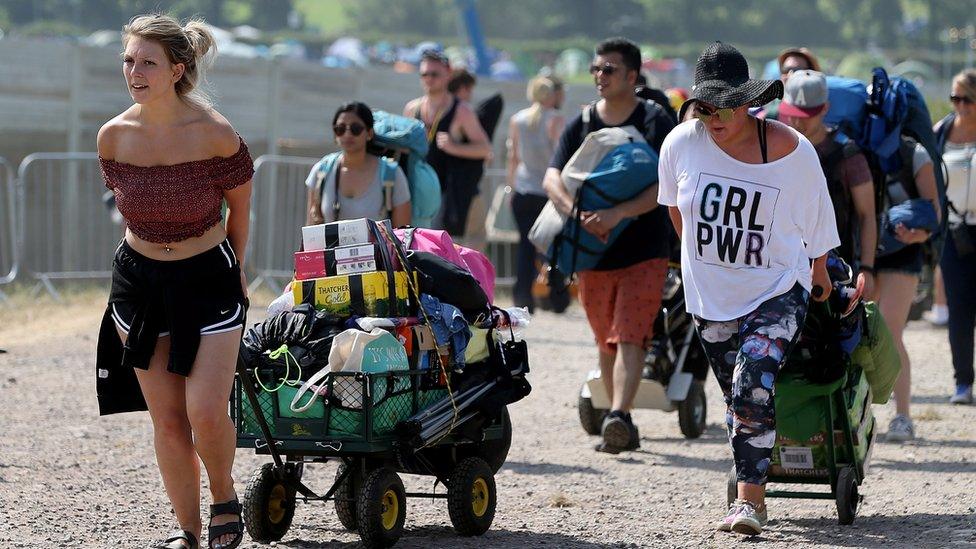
x,y
801,424
392,400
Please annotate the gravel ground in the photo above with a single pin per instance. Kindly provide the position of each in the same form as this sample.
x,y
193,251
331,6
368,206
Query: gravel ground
x,y
71,479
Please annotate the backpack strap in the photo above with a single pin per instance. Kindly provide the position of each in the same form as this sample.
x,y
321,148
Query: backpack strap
x,y
587,116
326,165
652,111
388,176
839,148
336,205
942,129
906,174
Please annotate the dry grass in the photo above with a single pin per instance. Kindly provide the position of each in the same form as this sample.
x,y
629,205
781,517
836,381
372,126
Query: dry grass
x,y
29,317
928,414
560,500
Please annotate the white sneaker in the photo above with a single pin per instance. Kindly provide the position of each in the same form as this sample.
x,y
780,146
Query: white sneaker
x,y
900,429
963,395
937,316
725,525
748,521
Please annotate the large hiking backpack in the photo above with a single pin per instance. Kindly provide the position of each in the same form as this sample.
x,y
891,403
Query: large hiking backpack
x,y
885,121
405,140
838,149
613,165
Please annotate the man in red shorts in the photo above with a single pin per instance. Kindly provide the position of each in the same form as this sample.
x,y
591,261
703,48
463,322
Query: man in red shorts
x,y
622,295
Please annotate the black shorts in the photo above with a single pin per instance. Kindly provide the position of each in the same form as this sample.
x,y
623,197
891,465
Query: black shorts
x,y
908,260
214,309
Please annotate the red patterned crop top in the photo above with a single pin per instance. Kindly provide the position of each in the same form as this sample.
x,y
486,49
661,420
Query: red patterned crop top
x,y
173,203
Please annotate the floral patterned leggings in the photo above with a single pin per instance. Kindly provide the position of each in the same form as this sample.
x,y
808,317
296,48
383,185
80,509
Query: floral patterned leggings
x,y
746,354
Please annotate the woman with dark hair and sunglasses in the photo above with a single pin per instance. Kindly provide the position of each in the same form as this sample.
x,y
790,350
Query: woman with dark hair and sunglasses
x,y
358,184
750,202
957,137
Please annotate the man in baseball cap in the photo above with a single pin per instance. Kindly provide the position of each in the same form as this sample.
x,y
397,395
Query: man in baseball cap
x,y
849,179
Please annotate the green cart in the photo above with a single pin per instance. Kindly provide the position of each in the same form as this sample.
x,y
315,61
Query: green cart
x,y
824,436
355,424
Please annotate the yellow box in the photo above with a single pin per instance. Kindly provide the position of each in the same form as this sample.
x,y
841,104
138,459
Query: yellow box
x,y
365,294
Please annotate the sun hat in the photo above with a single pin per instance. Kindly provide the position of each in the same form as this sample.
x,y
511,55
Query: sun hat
x,y
802,52
722,80
805,95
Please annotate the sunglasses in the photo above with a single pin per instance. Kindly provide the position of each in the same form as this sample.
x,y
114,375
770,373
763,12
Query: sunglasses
x,y
956,99
791,70
607,69
705,114
355,129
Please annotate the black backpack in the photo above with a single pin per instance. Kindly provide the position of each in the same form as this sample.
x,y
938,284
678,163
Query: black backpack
x,y
889,188
450,284
652,112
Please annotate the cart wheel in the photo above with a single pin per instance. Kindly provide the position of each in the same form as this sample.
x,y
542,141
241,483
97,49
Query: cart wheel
x,y
732,487
494,452
847,496
590,418
349,489
471,497
269,505
381,508
691,411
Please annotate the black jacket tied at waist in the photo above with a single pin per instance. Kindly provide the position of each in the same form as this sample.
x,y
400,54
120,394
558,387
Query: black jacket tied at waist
x,y
162,296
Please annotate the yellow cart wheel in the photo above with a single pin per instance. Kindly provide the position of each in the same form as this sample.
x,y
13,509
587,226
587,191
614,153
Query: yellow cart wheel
x,y
381,508
471,497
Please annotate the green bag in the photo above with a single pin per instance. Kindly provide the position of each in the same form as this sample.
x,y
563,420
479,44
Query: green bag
x,y
877,354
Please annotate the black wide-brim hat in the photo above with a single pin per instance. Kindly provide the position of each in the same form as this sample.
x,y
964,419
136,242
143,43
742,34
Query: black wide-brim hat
x,y
722,80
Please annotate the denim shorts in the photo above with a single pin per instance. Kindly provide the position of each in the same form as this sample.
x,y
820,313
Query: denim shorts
x,y
908,260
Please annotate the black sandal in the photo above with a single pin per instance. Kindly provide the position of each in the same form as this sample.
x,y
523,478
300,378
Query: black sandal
x,y
180,539
232,507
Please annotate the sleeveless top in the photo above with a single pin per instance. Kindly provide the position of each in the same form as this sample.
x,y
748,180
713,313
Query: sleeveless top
x,y
534,150
437,158
172,203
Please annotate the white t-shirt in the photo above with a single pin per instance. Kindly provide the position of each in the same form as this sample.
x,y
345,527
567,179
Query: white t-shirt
x,y
748,230
960,161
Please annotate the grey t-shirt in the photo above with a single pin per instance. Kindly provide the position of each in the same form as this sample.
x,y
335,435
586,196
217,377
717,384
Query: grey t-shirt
x,y
370,204
534,149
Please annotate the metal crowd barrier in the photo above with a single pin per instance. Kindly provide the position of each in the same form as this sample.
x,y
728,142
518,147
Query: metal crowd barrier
x,y
501,233
56,226
65,230
278,201
8,225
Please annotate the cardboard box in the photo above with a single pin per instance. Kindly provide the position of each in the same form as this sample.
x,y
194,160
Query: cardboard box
x,y
336,261
808,458
336,234
366,294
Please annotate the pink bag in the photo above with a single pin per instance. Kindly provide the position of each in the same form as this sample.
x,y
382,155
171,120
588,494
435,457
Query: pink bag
x,y
441,244
480,267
